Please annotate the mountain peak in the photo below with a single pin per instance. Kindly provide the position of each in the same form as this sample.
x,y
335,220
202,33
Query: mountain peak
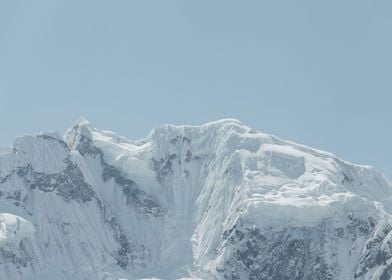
x,y
82,123
81,129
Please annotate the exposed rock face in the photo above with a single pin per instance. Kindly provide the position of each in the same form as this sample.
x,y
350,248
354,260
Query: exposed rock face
x,y
218,201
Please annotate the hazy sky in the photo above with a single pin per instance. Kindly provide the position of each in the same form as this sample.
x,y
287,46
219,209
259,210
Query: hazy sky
x,y
315,72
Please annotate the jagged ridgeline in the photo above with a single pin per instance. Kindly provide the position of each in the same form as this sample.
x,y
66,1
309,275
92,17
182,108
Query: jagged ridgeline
x,y
217,201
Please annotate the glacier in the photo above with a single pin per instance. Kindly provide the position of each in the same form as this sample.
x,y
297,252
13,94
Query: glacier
x,y
217,201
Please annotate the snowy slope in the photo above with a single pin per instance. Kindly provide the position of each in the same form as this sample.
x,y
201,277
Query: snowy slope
x,y
217,201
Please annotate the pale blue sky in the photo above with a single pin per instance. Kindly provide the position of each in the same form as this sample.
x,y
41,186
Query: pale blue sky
x,y
315,72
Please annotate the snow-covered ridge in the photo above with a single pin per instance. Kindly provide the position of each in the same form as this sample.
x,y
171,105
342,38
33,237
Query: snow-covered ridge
x,y
186,202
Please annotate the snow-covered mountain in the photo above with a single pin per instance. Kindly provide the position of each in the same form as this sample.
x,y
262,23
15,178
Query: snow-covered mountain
x,y
217,201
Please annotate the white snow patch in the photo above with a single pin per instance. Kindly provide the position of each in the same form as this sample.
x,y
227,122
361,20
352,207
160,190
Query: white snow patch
x,y
14,228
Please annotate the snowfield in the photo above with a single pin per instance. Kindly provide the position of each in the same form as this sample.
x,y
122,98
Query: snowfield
x,y
217,201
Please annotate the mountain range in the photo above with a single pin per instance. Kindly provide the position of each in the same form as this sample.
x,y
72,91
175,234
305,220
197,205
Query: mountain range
x,y
219,201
